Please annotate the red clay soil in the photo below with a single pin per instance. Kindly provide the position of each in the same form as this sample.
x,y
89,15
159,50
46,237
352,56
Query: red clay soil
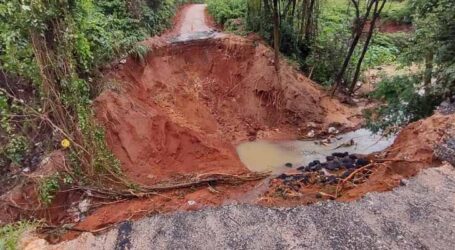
x,y
182,110
22,201
389,27
393,27
411,152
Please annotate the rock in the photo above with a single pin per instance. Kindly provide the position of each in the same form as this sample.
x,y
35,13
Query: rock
x,y
332,130
349,165
316,167
289,165
191,202
84,206
331,179
311,134
353,157
404,182
447,107
312,164
330,158
346,173
281,176
340,155
123,61
346,160
333,165
360,162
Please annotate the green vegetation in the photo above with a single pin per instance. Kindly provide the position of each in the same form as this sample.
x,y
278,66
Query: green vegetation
x,y
322,50
317,45
55,48
48,187
139,52
16,149
433,47
398,11
10,234
403,101
224,10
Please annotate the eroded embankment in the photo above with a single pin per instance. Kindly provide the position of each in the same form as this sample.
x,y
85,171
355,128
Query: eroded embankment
x,y
181,112
182,109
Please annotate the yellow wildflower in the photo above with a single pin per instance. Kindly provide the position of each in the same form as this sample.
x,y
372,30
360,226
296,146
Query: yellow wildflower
x,y
65,143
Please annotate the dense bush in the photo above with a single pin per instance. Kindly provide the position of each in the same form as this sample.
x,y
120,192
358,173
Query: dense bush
x,y
398,11
432,46
404,100
224,10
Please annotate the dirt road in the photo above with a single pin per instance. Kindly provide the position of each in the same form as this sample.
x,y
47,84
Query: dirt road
x,y
194,20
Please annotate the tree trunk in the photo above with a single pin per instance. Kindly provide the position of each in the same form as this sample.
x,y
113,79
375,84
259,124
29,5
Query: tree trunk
x,y
276,34
309,22
355,41
428,69
376,13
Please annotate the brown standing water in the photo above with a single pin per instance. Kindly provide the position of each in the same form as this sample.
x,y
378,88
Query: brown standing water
x,y
273,155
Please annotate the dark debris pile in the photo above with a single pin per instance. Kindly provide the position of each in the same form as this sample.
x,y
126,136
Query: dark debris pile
x,y
337,167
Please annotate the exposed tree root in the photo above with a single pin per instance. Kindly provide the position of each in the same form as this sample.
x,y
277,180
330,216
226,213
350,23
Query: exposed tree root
x,y
341,183
197,180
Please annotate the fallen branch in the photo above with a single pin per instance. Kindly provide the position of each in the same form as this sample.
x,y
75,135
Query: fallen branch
x,y
72,228
395,160
327,195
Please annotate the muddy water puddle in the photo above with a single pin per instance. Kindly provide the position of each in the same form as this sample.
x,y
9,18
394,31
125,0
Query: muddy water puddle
x,y
277,156
286,156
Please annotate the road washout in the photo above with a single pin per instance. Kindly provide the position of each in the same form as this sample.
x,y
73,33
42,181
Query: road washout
x,y
182,111
191,102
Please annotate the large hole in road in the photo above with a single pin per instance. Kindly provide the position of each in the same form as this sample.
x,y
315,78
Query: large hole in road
x,y
183,110
218,106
